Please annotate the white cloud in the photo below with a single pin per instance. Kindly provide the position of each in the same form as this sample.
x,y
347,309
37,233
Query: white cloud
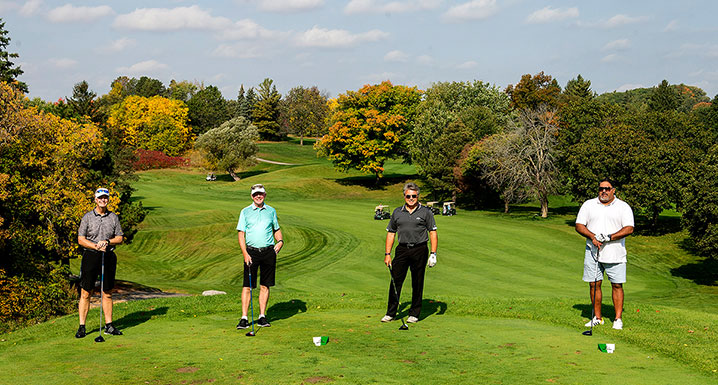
x,y
473,10
621,20
619,44
378,6
141,68
610,58
68,13
548,14
171,19
6,6
118,45
467,65
335,38
289,6
396,56
31,7
63,63
425,60
246,29
239,51
628,87
672,26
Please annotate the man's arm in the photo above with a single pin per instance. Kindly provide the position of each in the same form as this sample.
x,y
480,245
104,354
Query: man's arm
x,y
434,239
279,240
624,232
389,244
583,230
243,247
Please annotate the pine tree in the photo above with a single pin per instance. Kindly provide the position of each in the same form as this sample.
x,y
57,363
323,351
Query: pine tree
x,y
8,71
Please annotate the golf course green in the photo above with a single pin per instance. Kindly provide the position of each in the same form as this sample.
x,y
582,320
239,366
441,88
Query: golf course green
x,y
504,305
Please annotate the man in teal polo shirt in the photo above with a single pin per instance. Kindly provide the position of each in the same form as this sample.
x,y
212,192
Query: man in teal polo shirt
x,y
257,230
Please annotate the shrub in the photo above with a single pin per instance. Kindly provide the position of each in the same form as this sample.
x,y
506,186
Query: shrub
x,y
147,160
24,302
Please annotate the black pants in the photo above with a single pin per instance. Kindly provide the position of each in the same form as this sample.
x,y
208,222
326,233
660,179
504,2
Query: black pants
x,y
414,259
91,267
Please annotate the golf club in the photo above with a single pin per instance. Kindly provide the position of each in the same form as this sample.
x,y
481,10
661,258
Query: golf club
x,y
593,298
102,293
251,306
403,326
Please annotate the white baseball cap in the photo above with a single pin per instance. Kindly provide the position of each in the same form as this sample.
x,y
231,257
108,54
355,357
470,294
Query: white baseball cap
x,y
257,188
101,192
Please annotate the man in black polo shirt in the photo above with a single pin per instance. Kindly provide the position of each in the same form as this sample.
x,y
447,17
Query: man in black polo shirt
x,y
99,232
415,226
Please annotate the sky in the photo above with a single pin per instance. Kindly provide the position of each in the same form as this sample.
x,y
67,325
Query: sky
x,y
343,45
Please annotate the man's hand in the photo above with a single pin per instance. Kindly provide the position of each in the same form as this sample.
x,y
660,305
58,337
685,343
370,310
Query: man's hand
x,y
247,260
278,246
432,260
387,259
603,238
102,245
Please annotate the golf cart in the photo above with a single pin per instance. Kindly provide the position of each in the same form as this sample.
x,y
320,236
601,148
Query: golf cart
x,y
210,177
432,206
381,212
449,208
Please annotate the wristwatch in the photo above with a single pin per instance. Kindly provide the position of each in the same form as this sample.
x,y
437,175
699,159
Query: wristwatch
x,y
387,253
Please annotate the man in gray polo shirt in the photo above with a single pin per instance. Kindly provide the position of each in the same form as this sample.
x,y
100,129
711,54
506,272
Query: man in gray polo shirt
x,y
415,226
98,234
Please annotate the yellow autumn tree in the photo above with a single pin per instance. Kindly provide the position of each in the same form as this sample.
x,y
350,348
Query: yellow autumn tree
x,y
155,123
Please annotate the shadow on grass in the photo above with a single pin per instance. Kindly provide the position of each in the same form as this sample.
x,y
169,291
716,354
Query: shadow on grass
x,y
241,175
607,311
370,182
136,318
429,307
287,309
704,272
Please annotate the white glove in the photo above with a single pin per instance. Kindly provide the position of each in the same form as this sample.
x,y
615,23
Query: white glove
x,y
603,238
432,260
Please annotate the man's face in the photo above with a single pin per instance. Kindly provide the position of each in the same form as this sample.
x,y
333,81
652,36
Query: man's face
x,y
606,192
102,201
258,198
411,197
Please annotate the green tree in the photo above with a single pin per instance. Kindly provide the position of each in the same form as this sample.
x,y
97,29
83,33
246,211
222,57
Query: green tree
x,y
534,91
305,112
700,214
579,88
183,90
663,98
265,114
8,71
246,106
148,87
450,117
230,146
83,102
370,126
207,110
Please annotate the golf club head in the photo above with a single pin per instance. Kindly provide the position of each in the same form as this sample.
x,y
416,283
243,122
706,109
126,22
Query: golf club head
x,y
588,333
404,327
99,339
250,334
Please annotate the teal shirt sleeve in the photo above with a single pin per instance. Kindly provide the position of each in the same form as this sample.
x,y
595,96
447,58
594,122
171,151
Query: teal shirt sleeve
x,y
242,223
275,221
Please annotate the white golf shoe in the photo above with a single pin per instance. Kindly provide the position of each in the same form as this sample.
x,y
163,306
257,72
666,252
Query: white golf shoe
x,y
412,319
618,324
595,321
387,318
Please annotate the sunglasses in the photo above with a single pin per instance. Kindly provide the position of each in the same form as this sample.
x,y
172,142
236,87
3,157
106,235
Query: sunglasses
x,y
605,188
408,196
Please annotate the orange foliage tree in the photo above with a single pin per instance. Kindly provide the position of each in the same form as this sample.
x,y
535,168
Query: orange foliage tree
x,y
370,126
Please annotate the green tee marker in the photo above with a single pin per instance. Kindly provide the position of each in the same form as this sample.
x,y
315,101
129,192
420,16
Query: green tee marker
x,y
607,348
319,341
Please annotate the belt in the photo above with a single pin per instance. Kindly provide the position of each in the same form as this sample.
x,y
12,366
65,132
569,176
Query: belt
x,y
260,249
412,244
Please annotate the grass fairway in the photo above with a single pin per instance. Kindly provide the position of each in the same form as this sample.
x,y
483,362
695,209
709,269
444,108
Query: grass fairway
x,y
505,304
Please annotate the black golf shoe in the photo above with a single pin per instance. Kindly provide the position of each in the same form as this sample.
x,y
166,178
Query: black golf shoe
x,y
243,324
262,321
81,333
111,330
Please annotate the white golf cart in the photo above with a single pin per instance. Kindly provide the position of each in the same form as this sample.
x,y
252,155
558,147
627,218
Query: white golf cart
x,y
381,212
433,207
449,209
210,177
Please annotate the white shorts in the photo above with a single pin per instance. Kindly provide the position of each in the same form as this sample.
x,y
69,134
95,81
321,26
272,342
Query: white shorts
x,y
616,272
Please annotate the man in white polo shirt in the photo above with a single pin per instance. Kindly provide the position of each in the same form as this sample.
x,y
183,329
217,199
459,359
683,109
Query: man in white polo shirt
x,y
605,221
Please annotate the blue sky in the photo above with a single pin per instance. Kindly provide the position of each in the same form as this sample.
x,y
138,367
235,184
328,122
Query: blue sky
x,y
342,45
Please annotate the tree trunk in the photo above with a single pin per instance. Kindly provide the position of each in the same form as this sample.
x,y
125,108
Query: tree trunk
x,y
506,206
234,176
301,140
544,205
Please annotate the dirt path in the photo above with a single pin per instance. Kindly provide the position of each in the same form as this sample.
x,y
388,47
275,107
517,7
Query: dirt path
x,y
273,162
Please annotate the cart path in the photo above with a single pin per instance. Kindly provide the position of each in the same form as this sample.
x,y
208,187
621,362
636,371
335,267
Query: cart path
x,y
279,163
